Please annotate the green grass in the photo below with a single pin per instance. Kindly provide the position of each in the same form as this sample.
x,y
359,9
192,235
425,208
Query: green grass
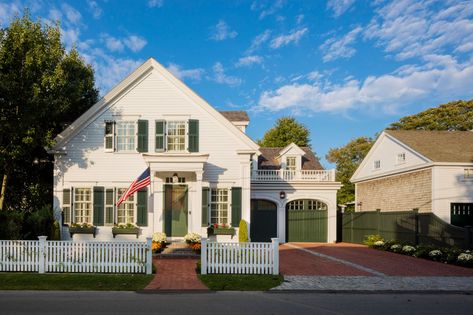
x,y
68,281
241,282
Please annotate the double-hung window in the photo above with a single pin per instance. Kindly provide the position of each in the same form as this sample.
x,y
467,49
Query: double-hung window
x,y
291,163
401,158
176,135
109,136
468,174
83,205
126,210
125,136
377,164
219,202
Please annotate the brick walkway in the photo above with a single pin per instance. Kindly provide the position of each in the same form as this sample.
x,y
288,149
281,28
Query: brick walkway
x,y
175,274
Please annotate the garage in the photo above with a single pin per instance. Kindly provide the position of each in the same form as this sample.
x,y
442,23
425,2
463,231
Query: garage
x,y
264,220
306,221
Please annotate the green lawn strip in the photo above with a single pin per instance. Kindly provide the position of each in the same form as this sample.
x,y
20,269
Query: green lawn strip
x,y
68,281
241,282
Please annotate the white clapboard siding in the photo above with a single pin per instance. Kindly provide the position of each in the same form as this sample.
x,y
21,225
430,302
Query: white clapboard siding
x,y
240,258
19,256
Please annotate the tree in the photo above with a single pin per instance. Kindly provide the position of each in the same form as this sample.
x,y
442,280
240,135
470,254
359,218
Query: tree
x,y
348,158
286,131
42,88
457,115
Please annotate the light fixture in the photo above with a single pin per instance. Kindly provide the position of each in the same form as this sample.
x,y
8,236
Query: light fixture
x,y
175,178
282,194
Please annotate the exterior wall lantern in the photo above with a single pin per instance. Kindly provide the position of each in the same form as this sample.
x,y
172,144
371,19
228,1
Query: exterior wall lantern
x,y
282,194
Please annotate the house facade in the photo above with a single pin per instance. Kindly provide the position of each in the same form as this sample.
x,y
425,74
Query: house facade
x,y
203,167
415,169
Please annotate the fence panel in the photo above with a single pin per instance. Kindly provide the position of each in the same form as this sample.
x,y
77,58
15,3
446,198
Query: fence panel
x,y
19,256
240,258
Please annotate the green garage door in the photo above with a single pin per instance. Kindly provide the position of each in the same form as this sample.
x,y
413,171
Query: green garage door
x,y
264,220
306,221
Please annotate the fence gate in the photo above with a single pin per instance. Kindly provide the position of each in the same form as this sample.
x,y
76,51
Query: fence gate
x,y
461,214
306,221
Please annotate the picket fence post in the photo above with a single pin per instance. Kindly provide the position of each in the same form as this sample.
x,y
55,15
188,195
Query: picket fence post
x,y
149,256
42,254
203,256
275,243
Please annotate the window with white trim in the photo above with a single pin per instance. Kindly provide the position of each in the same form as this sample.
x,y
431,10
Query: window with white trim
x,y
377,164
176,135
401,158
296,205
125,136
109,139
468,174
291,163
219,205
83,205
316,205
126,210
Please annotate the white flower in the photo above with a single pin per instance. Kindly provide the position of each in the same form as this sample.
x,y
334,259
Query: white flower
x,y
465,257
378,243
396,247
435,253
192,238
408,249
159,237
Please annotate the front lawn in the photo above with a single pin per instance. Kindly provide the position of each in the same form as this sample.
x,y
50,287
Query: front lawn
x,y
241,282
68,281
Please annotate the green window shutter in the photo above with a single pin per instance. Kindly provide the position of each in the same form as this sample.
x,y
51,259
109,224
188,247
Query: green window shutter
x,y
160,135
98,205
236,206
109,206
193,135
205,206
66,206
142,207
142,136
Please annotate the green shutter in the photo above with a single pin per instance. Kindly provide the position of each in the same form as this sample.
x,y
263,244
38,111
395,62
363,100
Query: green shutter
x,y
160,135
236,206
205,206
193,135
109,206
98,205
66,206
142,207
142,136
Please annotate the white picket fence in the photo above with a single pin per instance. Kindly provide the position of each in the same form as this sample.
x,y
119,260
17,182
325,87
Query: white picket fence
x,y
240,258
67,256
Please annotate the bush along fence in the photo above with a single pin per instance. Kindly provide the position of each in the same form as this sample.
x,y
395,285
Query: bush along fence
x,y
66,256
240,258
405,226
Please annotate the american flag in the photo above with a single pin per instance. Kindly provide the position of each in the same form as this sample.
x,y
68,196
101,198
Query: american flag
x,y
141,182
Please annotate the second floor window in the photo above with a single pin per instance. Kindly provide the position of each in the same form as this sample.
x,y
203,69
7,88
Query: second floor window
x,y
377,164
176,136
125,136
401,158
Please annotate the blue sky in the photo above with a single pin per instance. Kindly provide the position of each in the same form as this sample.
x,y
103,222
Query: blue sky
x,y
344,68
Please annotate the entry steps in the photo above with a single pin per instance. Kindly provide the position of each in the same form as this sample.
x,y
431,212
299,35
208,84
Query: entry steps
x,y
177,249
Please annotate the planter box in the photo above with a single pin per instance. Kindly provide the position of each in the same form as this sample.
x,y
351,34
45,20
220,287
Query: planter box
x,y
220,231
82,230
126,231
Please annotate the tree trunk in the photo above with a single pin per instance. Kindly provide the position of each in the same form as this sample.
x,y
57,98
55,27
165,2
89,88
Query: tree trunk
x,y
4,189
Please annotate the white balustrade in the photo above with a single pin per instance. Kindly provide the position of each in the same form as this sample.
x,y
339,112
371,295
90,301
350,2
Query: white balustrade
x,y
290,175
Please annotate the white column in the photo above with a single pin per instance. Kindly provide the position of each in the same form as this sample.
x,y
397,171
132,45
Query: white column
x,y
149,256
203,256
275,244
197,206
158,201
245,182
332,220
42,254
281,220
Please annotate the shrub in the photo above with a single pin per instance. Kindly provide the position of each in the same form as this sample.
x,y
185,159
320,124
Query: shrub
x,y
378,244
435,254
408,249
396,248
371,239
243,232
465,258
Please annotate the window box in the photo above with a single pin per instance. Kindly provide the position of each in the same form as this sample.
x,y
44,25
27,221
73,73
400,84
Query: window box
x,y
126,231
82,230
211,230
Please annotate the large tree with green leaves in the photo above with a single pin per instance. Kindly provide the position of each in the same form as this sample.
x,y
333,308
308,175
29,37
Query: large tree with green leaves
x,y
286,131
42,88
348,158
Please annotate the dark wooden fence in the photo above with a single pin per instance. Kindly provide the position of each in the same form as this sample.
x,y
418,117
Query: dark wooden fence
x,y
405,226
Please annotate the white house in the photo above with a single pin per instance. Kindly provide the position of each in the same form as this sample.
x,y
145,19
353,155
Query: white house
x,y
428,170
204,168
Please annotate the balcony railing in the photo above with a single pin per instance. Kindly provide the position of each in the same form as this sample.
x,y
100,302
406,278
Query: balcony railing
x,y
288,175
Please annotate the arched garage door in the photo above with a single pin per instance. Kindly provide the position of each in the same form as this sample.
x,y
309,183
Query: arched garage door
x,y
306,221
264,220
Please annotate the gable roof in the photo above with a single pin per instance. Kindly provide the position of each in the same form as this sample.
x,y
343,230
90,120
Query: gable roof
x,y
268,159
235,115
289,147
438,146
143,70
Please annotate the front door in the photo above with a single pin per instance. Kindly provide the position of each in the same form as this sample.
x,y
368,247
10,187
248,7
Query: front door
x,y
264,220
175,210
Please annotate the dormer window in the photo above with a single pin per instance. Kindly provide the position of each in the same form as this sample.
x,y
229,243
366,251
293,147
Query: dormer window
x,y
291,163
468,174
377,164
401,158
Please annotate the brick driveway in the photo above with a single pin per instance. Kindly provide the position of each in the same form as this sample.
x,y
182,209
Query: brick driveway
x,y
344,259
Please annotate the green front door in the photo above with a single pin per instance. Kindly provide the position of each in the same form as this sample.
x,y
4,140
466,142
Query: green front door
x,y
175,210
264,220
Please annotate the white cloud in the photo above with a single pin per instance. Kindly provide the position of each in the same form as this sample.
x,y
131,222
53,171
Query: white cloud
x,y
135,43
72,15
221,31
155,3
222,78
193,74
55,14
95,9
259,40
386,92
411,28
249,60
8,11
112,43
283,40
299,18
339,6
267,8
334,48
70,36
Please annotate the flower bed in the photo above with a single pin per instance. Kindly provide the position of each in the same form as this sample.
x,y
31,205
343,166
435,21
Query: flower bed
x,y
220,229
159,242
126,229
448,255
194,241
82,228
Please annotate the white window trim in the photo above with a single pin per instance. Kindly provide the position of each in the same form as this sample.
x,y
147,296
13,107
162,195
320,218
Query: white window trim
x,y
74,203
186,136
229,203
374,165
113,136
401,161
135,204
135,123
468,174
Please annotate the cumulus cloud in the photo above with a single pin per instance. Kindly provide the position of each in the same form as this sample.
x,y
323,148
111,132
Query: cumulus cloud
x,y
193,74
339,6
335,48
249,60
385,92
286,39
133,42
219,76
221,31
